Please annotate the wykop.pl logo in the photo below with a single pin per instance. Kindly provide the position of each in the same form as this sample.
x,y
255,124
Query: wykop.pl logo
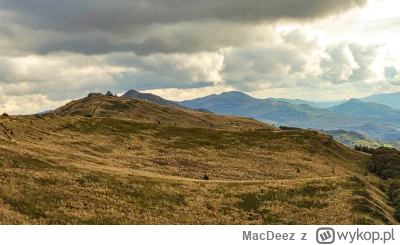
x,y
325,235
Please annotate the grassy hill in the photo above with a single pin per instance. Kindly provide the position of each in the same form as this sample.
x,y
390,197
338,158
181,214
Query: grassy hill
x,y
98,105
121,166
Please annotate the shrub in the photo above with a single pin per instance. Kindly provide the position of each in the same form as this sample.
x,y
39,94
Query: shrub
x,y
386,163
289,128
365,149
206,177
88,115
5,114
397,214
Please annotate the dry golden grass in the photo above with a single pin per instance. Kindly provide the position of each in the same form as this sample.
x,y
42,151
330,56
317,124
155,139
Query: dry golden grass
x,y
98,105
128,169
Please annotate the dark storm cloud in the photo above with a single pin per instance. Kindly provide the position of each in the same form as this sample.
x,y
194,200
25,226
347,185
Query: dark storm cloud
x,y
81,15
120,25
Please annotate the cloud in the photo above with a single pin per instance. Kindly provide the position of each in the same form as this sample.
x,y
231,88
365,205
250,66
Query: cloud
x,y
349,62
183,68
151,26
288,59
52,51
390,72
338,63
16,105
61,76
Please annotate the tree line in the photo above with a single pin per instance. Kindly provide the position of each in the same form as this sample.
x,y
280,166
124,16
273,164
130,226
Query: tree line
x,y
365,149
386,164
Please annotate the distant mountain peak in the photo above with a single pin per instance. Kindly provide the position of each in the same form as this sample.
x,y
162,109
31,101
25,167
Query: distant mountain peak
x,y
353,100
133,94
132,91
236,94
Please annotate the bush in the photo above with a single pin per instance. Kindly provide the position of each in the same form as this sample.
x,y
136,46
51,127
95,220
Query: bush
x,y
88,115
5,114
386,163
397,214
365,149
394,187
289,128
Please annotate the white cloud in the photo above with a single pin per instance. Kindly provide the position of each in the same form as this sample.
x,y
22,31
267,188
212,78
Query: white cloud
x,y
286,49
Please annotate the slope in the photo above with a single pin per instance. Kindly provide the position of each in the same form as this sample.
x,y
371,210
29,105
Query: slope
x,y
98,105
352,138
133,94
392,99
71,169
368,110
273,111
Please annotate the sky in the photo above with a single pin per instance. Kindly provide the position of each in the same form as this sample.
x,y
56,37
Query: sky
x,y
53,51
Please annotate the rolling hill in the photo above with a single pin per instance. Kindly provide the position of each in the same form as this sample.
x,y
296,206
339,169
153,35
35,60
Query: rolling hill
x,y
110,160
98,105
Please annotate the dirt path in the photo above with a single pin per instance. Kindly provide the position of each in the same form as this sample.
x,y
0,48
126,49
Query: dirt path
x,y
97,106
131,173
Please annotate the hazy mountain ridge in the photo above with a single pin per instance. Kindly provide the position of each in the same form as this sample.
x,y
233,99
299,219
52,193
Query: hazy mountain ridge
x,y
379,122
321,105
133,94
392,99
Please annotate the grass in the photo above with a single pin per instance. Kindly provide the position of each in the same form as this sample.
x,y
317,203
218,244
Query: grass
x,y
60,169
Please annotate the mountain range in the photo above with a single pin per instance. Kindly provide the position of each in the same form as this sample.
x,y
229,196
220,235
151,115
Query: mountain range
x,y
392,99
379,122
133,94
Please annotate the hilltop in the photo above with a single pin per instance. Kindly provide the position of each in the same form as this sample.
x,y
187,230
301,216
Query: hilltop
x,y
110,160
101,106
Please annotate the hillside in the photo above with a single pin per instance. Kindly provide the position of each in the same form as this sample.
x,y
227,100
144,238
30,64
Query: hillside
x,y
98,105
120,166
236,103
133,94
392,99
352,138
368,110
322,105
